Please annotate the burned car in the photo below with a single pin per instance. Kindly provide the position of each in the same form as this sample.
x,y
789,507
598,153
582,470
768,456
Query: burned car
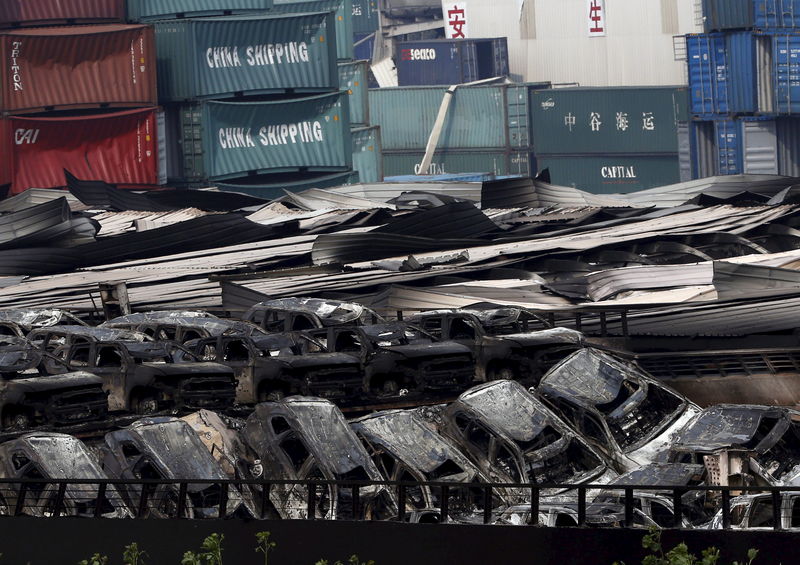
x,y
756,512
18,322
144,377
624,412
220,435
295,314
48,456
57,339
302,439
503,340
271,366
168,449
743,444
398,358
184,329
30,396
514,438
405,449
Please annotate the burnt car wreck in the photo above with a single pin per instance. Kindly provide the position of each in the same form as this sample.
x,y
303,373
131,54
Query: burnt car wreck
x,y
297,314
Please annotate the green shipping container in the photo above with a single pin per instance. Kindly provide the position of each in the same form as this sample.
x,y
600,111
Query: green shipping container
x,y
144,10
365,16
498,162
367,154
227,140
343,10
606,174
245,55
274,188
353,78
578,121
476,117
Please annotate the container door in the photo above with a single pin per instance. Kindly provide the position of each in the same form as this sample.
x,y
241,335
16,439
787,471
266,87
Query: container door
x,y
788,134
764,55
161,138
684,152
741,66
470,66
760,147
703,147
708,74
518,116
786,70
729,153
500,57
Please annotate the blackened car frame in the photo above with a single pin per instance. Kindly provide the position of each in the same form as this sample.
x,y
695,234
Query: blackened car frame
x,y
270,367
294,314
398,358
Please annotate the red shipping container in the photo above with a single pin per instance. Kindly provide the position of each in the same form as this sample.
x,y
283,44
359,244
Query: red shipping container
x,y
78,67
51,12
119,148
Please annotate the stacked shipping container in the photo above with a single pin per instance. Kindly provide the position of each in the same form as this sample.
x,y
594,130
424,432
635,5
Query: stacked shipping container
x,y
744,89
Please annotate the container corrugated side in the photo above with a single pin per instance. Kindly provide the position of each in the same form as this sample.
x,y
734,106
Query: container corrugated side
x,y
438,61
78,67
365,16
788,134
708,74
118,148
572,121
492,161
777,14
720,15
226,140
742,72
368,154
278,188
246,55
353,78
759,146
23,13
476,117
606,174
149,10
343,10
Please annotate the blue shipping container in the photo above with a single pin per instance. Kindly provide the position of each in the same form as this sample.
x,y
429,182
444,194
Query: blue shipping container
x,y
450,61
728,147
723,73
719,15
786,73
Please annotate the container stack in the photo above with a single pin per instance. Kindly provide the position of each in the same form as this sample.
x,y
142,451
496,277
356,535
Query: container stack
x,y
77,97
744,88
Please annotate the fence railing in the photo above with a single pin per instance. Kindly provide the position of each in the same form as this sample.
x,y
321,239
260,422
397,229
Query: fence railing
x,y
153,498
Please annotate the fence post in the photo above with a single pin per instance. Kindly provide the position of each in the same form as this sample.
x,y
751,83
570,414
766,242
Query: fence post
x,y
356,501
628,507
23,490
677,507
142,502
223,500
776,509
59,502
98,503
581,505
312,501
182,499
534,519
445,494
487,504
726,509
401,502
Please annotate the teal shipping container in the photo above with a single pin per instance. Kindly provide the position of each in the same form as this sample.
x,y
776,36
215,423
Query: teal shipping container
x,y
498,162
343,10
245,55
228,140
607,174
275,188
570,121
365,16
367,154
353,78
148,10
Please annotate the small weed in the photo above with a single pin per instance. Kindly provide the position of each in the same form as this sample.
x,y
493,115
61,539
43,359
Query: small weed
x,y
265,545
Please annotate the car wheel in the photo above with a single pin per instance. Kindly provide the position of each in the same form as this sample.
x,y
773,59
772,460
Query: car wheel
x,y
145,404
16,419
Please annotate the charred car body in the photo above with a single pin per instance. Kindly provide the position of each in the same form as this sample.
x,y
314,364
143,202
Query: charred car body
x,y
630,416
743,444
399,357
30,397
58,339
296,314
405,449
169,449
756,512
48,456
514,438
183,329
143,377
503,340
303,439
271,366
18,322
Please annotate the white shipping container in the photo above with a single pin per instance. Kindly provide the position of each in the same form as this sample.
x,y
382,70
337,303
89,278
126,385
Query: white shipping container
x,y
551,40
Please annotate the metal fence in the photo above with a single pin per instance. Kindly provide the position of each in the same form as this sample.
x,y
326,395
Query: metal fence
x,y
53,498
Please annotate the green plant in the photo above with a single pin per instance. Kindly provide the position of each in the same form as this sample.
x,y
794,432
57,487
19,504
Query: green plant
x,y
132,555
265,545
95,559
210,552
679,555
352,561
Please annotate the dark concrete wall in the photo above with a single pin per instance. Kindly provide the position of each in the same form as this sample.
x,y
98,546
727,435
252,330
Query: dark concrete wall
x,y
66,541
